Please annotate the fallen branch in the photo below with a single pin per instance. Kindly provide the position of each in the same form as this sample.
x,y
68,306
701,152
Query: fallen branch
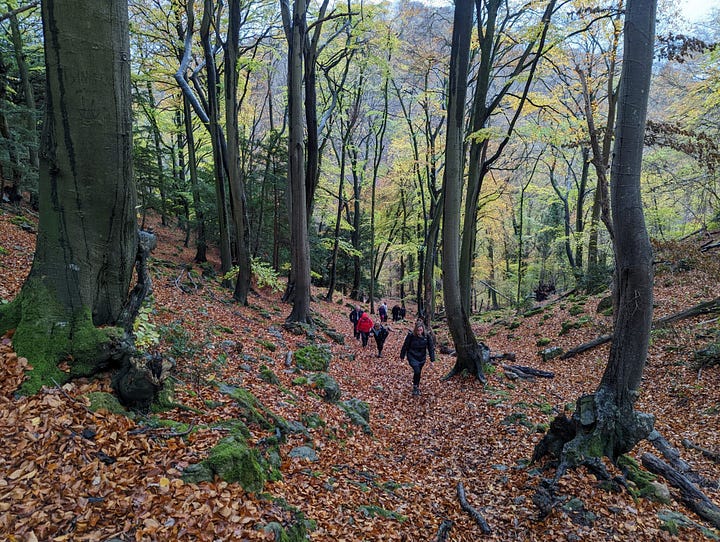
x,y
529,371
484,527
690,495
709,245
701,308
586,346
709,454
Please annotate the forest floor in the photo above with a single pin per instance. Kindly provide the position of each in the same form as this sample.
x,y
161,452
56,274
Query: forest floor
x,y
67,473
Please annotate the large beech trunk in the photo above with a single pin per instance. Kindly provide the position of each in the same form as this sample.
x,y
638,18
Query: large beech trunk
x,y
87,234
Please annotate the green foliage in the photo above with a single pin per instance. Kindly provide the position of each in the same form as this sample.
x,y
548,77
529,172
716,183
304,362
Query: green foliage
x,y
146,333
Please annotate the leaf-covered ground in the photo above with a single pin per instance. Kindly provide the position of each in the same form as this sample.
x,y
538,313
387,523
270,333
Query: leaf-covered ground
x,y
67,473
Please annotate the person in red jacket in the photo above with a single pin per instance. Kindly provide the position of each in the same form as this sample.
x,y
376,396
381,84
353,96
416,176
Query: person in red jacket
x,y
364,326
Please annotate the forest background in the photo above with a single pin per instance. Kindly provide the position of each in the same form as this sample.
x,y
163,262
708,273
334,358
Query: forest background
x,y
543,83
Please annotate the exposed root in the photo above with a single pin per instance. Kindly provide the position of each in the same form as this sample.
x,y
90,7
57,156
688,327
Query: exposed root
x,y
484,527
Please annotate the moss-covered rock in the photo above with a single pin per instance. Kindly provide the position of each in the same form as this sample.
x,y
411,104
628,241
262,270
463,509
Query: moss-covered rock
x,y
327,384
267,375
234,461
297,531
199,472
313,358
359,413
107,402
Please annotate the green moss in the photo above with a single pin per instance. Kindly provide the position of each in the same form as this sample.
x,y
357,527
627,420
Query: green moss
x,y
271,347
313,358
543,342
252,410
234,461
296,532
9,316
330,388
165,399
359,413
641,478
101,401
266,375
46,335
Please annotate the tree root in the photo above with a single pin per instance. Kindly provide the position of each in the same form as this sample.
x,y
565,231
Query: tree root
x,y
709,454
690,495
484,527
444,531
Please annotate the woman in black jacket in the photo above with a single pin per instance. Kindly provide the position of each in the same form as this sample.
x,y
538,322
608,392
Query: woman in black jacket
x,y
417,345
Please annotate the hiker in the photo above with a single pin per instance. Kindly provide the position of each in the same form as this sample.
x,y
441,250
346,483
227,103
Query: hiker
x,y
354,317
364,327
396,313
380,333
382,312
416,347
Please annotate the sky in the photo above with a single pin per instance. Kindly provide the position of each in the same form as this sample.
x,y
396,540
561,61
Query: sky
x,y
696,10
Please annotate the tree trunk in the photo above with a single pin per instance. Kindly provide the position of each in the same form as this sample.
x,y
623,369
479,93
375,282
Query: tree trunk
x,y
27,91
235,174
606,422
295,24
213,125
469,353
87,233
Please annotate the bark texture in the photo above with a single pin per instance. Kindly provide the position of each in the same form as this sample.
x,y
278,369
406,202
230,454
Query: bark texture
x,y
87,234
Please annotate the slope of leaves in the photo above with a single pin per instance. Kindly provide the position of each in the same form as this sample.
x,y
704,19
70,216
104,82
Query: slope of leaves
x,y
69,474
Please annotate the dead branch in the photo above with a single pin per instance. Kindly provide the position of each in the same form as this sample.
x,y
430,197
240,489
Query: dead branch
x,y
484,527
672,455
701,308
586,346
521,370
709,454
690,495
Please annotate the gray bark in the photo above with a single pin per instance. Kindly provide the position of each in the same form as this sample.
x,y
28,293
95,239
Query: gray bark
x,y
87,233
469,352
295,24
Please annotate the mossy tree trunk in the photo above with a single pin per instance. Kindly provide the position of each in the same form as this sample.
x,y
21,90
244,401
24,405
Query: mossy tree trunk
x,y
87,234
606,424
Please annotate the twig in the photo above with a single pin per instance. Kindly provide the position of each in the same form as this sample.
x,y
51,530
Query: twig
x,y
62,390
484,527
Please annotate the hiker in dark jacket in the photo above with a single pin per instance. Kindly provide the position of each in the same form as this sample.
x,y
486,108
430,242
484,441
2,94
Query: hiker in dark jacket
x,y
355,315
396,313
382,312
416,347
380,333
